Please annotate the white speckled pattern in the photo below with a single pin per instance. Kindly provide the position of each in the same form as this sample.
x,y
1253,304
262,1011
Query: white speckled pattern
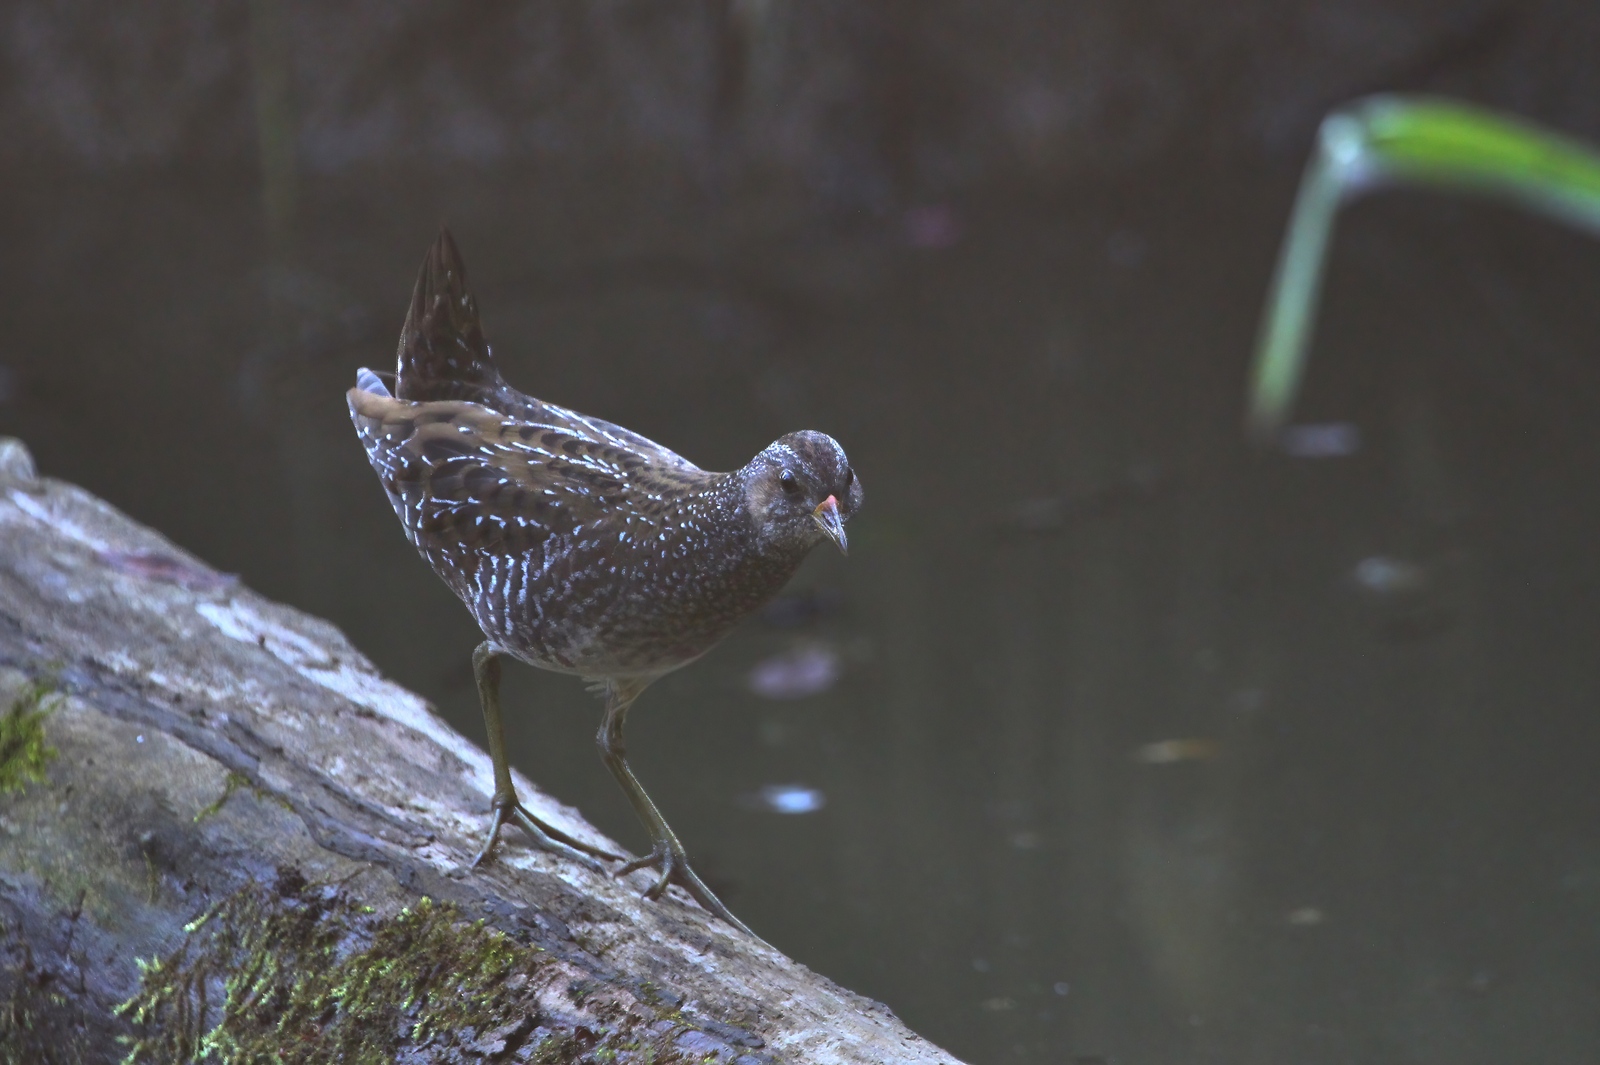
x,y
578,545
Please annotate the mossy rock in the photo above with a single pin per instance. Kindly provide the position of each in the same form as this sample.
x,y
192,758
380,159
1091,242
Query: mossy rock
x,y
299,974
24,754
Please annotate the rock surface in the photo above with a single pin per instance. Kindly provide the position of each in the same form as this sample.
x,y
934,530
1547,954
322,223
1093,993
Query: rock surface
x,y
238,799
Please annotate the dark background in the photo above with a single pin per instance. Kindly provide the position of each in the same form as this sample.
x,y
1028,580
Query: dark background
x,y
1011,254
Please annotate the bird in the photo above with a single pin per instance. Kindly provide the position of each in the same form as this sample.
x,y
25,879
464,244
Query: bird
x,y
577,545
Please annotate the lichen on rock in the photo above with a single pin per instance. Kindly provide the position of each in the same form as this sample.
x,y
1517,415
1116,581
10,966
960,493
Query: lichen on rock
x,y
24,754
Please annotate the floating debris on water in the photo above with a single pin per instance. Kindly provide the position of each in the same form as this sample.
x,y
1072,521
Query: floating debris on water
x,y
805,669
1383,575
785,799
1403,599
1324,440
1169,752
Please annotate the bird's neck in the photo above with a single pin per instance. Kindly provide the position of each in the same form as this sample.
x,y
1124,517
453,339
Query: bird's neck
x,y
750,562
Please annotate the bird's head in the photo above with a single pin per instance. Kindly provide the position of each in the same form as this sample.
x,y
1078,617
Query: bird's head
x,y
800,490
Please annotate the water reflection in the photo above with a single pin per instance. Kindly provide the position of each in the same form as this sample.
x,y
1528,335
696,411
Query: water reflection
x,y
792,799
809,668
1330,440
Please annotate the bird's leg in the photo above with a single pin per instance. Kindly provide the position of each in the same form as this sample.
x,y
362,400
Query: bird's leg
x,y
486,668
666,853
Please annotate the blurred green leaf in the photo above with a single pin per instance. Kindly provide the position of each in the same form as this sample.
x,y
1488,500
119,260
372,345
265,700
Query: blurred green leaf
x,y
1394,140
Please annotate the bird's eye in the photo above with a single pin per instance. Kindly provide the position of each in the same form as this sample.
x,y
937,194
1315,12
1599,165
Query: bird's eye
x,y
790,484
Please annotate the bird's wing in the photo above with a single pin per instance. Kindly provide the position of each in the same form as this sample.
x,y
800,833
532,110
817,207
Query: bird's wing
x,y
461,473
526,410
603,434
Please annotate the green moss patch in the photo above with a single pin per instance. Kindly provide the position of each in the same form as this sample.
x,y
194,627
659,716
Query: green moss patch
x,y
234,782
302,974
23,752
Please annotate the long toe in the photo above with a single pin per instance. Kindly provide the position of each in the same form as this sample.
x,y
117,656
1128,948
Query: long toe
x,y
553,833
546,838
494,834
668,875
657,856
483,852
675,869
709,902
670,864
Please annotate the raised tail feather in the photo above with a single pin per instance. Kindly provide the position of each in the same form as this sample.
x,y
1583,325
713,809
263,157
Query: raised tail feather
x,y
444,360
442,351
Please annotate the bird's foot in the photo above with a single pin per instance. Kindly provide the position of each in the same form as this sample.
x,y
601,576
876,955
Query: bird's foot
x,y
546,836
674,866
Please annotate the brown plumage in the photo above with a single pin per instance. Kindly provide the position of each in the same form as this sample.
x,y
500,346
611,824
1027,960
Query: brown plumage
x,y
578,545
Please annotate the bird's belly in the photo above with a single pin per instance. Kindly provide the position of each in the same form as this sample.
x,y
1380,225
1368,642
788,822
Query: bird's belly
x,y
579,618
622,638
584,652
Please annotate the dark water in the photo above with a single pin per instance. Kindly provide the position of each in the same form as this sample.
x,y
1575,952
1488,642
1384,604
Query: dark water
x,y
1132,745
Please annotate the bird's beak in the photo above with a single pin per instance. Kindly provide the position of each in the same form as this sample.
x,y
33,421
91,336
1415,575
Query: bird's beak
x,y
827,516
